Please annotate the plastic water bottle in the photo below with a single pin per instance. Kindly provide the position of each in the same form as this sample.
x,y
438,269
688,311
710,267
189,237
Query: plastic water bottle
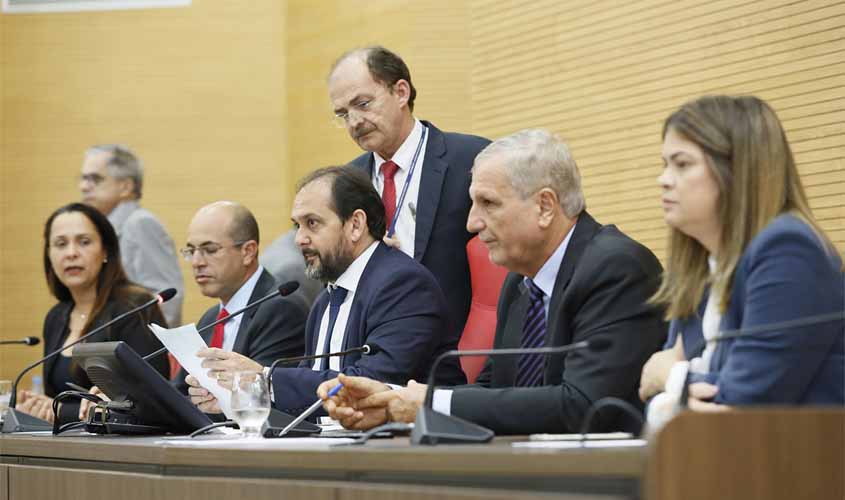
x,y
37,385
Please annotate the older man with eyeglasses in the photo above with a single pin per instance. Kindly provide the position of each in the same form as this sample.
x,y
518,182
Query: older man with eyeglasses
x,y
111,181
222,248
421,172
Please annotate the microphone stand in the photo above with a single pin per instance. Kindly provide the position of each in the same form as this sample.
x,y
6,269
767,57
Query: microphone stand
x,y
18,421
432,427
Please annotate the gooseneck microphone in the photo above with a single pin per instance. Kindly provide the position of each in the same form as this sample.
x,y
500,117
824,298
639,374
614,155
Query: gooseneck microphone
x,y
367,349
283,291
14,416
24,341
431,427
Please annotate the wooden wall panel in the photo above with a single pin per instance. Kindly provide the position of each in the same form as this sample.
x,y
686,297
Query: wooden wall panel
x,y
198,92
605,75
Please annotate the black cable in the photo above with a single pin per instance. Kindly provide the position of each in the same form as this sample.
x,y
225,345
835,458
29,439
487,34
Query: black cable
x,y
203,430
392,427
59,428
627,407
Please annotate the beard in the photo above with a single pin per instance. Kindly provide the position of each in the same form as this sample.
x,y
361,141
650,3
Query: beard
x,y
328,266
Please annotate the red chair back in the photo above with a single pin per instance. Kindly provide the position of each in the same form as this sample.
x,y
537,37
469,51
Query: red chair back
x,y
480,327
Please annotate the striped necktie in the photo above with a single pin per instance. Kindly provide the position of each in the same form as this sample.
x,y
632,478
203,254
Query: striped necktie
x,y
530,366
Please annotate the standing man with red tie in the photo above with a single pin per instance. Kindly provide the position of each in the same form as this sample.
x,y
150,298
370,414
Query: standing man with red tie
x,y
421,172
222,248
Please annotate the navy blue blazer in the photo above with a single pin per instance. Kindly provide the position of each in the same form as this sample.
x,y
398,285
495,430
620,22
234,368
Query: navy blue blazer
x,y
397,306
442,210
786,273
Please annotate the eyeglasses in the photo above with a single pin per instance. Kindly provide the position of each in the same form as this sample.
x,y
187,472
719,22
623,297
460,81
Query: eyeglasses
x,y
207,249
358,108
94,179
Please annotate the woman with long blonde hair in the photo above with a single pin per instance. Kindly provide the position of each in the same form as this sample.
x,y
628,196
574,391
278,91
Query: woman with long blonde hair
x,y
745,253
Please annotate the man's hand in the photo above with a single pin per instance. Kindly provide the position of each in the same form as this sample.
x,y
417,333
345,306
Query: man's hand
x,y
392,241
200,396
344,406
700,396
404,407
656,370
37,405
86,406
222,365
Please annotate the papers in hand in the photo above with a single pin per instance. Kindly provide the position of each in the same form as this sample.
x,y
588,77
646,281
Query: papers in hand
x,y
184,343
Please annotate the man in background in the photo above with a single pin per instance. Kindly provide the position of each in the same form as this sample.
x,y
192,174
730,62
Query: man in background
x,y
112,181
421,173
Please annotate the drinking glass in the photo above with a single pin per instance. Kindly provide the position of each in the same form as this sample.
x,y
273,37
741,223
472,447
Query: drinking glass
x,y
250,402
5,396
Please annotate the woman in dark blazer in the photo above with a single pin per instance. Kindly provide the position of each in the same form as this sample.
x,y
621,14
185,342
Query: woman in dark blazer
x,y
83,271
745,253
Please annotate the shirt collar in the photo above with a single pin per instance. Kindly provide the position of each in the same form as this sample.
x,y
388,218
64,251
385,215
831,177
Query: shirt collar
x,y
547,275
350,278
121,212
405,154
241,298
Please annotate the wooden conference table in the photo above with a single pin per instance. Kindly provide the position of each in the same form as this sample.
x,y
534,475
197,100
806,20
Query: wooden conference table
x,y
747,454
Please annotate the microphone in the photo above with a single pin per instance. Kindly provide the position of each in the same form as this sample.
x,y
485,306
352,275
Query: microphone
x,y
367,349
283,291
431,427
15,421
740,332
24,341
294,424
781,325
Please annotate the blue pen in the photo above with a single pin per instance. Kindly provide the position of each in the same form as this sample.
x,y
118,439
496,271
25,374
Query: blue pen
x,y
311,409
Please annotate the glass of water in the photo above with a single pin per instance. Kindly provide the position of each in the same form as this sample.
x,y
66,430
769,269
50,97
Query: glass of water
x,y
5,396
250,402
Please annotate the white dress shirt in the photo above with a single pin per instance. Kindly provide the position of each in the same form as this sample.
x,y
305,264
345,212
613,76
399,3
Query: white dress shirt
x,y
238,301
545,280
406,225
349,281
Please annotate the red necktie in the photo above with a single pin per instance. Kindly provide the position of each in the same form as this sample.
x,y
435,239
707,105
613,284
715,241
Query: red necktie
x,y
388,194
219,329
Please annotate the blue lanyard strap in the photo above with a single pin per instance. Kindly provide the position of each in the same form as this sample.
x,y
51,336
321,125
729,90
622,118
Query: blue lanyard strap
x,y
392,229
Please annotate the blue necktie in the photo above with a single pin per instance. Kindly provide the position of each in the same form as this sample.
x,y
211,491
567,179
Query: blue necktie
x,y
336,298
530,366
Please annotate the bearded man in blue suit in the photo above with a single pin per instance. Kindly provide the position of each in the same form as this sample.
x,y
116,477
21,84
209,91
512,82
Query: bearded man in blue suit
x,y
375,295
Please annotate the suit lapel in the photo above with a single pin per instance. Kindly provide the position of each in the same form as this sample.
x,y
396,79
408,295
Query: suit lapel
x,y
505,373
585,228
265,282
56,342
432,175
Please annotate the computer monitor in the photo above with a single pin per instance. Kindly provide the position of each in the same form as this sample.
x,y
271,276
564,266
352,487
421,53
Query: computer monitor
x,y
145,402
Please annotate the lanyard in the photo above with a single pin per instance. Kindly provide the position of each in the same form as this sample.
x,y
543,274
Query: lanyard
x,y
392,228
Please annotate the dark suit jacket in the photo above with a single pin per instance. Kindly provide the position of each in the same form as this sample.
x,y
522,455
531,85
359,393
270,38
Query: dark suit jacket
x,y
442,209
273,330
785,274
132,330
600,293
397,306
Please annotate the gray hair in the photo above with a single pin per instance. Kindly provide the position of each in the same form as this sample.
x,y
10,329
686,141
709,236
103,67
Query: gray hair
x,y
537,159
122,164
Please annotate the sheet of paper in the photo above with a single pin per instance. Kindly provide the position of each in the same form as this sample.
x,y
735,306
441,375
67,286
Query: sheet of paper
x,y
184,343
561,445
239,442
591,436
